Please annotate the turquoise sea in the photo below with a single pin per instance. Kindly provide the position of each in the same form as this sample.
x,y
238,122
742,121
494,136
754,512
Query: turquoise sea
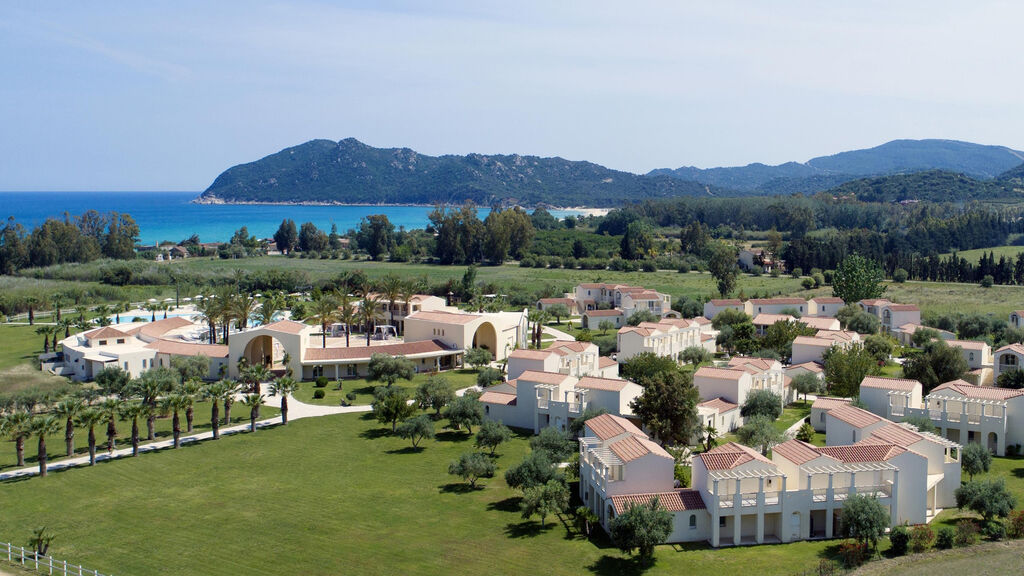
x,y
172,216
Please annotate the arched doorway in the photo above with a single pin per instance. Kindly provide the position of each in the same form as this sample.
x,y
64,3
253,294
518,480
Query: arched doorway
x,y
265,351
486,336
993,442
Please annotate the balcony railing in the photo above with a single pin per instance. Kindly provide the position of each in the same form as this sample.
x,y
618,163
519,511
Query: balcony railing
x,y
726,501
574,407
542,402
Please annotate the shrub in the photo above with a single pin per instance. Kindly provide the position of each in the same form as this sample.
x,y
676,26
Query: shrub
x,y
966,533
682,473
819,280
900,276
995,531
807,283
756,271
826,568
319,393
899,537
351,396
944,539
987,281
854,553
797,272
321,382
1015,524
684,268
649,266
921,537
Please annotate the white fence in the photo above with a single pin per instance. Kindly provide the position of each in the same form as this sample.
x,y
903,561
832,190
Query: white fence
x,y
29,559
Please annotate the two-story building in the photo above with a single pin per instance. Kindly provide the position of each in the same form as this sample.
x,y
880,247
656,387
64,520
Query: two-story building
x,y
714,306
1009,357
824,306
564,357
777,306
668,338
891,315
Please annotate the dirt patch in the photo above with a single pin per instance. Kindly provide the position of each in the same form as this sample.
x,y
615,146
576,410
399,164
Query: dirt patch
x,y
995,558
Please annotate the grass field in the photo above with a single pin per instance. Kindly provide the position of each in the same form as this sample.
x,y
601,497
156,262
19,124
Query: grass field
x,y
986,560
326,495
973,256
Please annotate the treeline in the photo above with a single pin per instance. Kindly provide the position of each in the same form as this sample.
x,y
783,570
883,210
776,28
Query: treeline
x,y
955,268
73,239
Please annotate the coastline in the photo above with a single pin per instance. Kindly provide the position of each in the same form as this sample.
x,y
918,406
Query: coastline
x,y
214,201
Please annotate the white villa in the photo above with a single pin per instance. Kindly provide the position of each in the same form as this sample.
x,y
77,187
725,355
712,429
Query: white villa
x,y
563,357
536,400
777,306
713,307
824,306
734,382
669,338
891,315
1009,357
628,299
741,497
813,348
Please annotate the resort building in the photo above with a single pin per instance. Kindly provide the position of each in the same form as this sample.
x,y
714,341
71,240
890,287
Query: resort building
x,y
713,307
812,348
1017,319
592,319
824,306
777,306
394,314
567,301
563,357
1009,357
892,316
742,375
628,299
135,348
537,400
905,333
668,338
739,496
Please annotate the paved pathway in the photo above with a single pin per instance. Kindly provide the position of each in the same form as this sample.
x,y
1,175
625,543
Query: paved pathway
x,y
558,334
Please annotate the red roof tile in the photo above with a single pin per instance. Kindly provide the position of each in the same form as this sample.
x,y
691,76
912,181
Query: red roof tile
x,y
679,500
797,452
632,447
720,404
981,392
286,326
364,352
855,416
608,384
863,452
608,426
901,384
501,398
729,456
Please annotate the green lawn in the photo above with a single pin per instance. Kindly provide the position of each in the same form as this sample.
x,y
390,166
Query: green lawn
x,y
327,495
364,388
20,345
792,414
1011,470
973,256
987,559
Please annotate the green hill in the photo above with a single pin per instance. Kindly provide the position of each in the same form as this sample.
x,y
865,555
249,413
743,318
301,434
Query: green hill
x,y
350,172
932,186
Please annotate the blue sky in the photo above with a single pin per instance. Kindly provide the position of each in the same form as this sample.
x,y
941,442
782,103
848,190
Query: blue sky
x,y
166,95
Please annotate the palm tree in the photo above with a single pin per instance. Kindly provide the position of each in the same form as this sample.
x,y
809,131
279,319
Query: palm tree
x,y
220,391
347,315
253,401
65,325
58,301
151,307
42,426
18,427
133,411
31,303
253,376
46,332
391,289
90,418
242,309
284,387
408,292
369,314
175,403
325,313
189,390
103,315
68,409
209,308
710,437
111,409
271,306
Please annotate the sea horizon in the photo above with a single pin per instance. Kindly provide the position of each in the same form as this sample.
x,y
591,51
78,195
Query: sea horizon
x,y
172,216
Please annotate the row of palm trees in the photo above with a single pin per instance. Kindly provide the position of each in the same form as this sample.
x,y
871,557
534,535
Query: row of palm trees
x,y
229,307
144,399
362,307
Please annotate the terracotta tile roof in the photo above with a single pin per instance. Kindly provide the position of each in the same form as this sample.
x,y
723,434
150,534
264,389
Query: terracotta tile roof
x,y
161,327
863,452
706,337
819,323
809,366
608,426
854,416
1015,347
720,404
898,435
566,301
981,392
538,377
608,384
701,321
364,352
637,330
777,301
967,344
605,362
105,332
875,301
901,384
176,348
603,313
904,308
632,447
679,500
797,452
500,398
442,317
285,326
527,354
813,341
719,373
729,456
564,347
837,335
770,319
728,302
827,300
757,364
829,403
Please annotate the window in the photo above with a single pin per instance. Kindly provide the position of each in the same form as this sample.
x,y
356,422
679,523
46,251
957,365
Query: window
x,y
120,340
853,435
103,342
318,371
143,363
823,416
350,369
721,521
125,366
971,357
693,521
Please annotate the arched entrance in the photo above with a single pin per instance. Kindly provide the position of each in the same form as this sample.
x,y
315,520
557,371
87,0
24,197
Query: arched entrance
x,y
993,442
486,336
265,351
